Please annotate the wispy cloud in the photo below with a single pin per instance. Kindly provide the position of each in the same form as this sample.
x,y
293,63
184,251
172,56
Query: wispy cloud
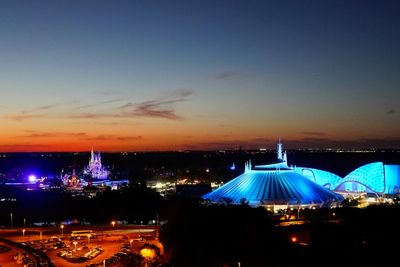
x,y
36,134
22,117
157,108
38,109
30,113
162,107
391,111
224,75
88,115
79,135
313,133
23,147
108,92
36,112
101,103
108,137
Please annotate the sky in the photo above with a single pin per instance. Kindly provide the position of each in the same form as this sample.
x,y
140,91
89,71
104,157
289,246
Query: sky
x,y
198,75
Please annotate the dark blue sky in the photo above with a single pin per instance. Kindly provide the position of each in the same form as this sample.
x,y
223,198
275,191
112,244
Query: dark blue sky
x,y
163,73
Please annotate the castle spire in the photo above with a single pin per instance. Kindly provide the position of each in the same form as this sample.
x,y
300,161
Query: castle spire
x,y
91,155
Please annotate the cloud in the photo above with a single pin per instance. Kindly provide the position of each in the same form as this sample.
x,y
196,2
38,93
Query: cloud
x,y
314,133
101,103
157,108
24,147
224,75
89,115
41,108
22,117
107,137
79,135
36,112
108,92
35,134
391,111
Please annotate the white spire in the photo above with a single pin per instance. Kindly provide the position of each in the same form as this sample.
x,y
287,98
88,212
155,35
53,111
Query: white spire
x,y
280,156
91,155
247,166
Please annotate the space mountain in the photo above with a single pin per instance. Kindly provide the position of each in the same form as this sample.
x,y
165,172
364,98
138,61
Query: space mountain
x,y
273,185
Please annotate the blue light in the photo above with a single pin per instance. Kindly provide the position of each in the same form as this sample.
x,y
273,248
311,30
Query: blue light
x,y
270,187
370,178
32,178
233,167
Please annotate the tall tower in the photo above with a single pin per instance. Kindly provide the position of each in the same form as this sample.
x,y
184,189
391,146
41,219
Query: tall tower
x,y
91,156
279,149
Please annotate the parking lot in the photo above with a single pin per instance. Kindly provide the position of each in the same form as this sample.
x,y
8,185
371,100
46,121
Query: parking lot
x,y
110,247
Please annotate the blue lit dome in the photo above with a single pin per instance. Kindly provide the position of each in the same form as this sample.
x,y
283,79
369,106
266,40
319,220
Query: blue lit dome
x,y
273,184
260,187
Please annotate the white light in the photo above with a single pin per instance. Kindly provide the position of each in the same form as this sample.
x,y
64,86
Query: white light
x,y
32,178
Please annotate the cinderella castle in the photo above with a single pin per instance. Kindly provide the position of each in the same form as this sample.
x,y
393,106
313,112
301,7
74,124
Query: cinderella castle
x,y
95,169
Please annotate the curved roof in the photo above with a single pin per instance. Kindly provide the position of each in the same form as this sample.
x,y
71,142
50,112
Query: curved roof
x,y
273,187
369,177
324,178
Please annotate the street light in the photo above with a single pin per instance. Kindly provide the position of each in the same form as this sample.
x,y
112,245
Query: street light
x,y
62,230
23,234
130,242
113,223
11,219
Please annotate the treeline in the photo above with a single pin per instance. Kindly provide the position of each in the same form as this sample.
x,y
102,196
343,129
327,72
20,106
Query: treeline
x,y
130,204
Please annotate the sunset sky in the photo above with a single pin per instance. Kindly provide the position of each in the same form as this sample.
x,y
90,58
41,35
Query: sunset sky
x,y
183,75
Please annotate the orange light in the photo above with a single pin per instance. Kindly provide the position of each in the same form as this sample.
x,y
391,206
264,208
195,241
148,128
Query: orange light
x,y
148,253
294,239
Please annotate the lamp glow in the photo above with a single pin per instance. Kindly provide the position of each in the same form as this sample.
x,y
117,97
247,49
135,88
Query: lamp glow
x,y
32,178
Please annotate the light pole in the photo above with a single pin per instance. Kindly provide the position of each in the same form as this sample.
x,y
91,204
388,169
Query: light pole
x,y
24,222
62,230
11,218
23,234
113,224
130,242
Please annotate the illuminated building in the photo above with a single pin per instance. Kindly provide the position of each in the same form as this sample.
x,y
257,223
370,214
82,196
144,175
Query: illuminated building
x,y
274,185
376,178
95,169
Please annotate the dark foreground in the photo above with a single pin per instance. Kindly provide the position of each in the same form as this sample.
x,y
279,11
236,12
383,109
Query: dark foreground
x,y
199,235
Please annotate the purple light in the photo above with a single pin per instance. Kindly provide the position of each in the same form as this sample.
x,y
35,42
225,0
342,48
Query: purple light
x,y
32,178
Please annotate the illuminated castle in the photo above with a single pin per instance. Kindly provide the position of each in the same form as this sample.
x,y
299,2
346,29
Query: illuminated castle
x,y
95,169
274,185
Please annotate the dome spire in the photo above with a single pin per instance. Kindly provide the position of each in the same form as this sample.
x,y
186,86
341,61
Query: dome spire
x,y
279,149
